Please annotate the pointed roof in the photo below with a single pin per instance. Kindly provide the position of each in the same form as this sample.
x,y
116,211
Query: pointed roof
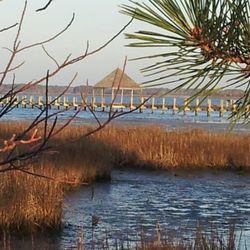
x,y
115,78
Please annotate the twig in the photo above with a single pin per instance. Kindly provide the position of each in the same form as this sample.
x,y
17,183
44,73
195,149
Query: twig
x,y
9,27
45,7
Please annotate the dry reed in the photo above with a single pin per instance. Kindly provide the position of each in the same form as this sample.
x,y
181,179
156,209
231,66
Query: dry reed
x,y
153,147
29,204
200,239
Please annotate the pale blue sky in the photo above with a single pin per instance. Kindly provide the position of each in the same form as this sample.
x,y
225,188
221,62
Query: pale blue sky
x,y
96,21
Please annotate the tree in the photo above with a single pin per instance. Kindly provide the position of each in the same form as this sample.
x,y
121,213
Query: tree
x,y
204,42
21,148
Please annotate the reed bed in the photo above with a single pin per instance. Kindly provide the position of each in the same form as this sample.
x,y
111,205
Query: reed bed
x,y
29,204
200,239
155,148
143,146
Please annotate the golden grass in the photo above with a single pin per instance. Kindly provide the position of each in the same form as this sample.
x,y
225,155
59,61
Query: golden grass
x,y
28,203
152,146
26,206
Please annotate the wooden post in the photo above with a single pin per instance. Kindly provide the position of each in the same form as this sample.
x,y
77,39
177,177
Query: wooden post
x,y
122,97
31,102
40,101
74,103
93,99
227,105
153,104
186,108
57,103
24,101
84,102
65,102
234,106
142,105
132,99
209,107
197,107
174,106
102,100
49,101
222,110
16,103
163,105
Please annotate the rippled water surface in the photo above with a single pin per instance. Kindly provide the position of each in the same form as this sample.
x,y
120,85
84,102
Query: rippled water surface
x,y
136,200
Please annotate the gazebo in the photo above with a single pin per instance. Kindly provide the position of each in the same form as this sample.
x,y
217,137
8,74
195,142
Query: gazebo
x,y
117,81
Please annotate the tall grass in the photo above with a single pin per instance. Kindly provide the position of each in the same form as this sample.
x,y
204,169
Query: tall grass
x,y
165,240
153,147
29,204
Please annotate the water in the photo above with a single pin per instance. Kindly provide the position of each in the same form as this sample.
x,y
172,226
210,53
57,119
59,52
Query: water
x,y
140,199
166,119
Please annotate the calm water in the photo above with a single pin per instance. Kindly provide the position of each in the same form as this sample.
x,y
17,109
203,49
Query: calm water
x,y
139,200
166,119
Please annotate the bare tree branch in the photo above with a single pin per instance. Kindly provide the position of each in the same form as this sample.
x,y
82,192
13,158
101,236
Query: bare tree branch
x,y
9,27
49,39
45,7
50,56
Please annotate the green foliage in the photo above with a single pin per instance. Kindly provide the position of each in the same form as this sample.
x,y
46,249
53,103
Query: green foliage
x,y
203,43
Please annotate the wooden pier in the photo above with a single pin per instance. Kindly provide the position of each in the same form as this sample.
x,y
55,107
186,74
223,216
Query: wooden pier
x,y
76,102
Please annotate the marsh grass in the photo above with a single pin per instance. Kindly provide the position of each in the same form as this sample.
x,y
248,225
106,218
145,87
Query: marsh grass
x,y
201,239
155,148
29,203
212,240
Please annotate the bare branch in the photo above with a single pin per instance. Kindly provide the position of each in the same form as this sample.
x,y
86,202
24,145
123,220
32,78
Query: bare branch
x,y
68,62
9,27
51,57
45,7
33,138
15,45
12,142
90,109
51,38
14,68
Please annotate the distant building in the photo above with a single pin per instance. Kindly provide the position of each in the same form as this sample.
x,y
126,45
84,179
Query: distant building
x,y
118,83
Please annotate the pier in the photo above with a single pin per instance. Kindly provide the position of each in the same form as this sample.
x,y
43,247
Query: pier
x,y
122,103
117,91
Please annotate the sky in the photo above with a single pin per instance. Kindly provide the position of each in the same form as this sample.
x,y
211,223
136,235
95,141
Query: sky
x,y
95,21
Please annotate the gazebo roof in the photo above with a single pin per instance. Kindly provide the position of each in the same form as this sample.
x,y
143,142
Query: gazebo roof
x,y
114,79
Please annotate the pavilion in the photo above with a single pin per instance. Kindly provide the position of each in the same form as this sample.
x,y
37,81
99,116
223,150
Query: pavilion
x,y
117,82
